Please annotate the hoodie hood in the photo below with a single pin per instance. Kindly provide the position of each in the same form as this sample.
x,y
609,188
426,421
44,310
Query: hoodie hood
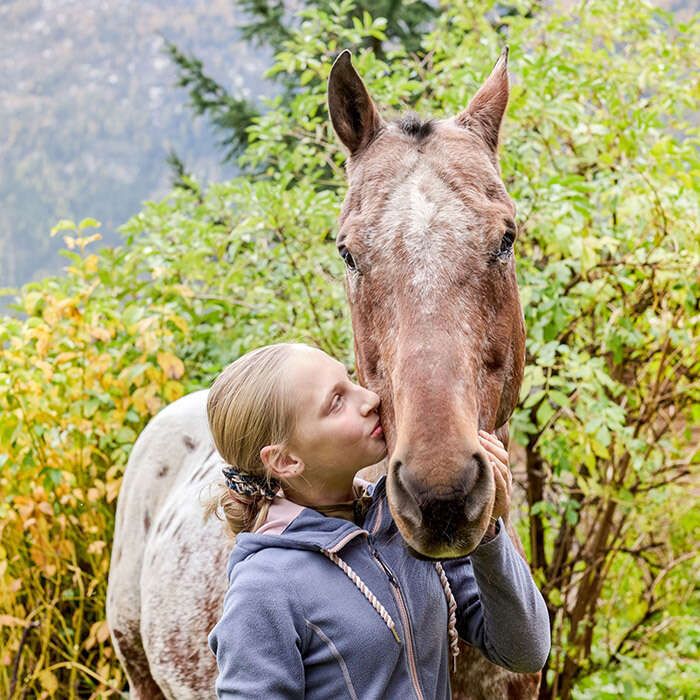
x,y
297,527
309,530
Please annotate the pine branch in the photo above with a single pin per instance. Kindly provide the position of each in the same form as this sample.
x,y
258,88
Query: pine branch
x,y
230,115
267,26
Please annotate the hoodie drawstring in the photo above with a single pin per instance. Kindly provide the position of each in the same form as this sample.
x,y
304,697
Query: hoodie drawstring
x,y
452,616
347,569
453,637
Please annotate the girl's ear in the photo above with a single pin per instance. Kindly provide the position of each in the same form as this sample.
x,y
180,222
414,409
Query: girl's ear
x,y
280,463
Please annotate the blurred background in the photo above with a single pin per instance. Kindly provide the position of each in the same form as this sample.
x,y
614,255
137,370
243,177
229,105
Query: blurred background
x,y
90,111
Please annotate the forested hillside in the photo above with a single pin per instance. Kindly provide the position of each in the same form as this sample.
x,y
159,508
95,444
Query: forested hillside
x,y
89,112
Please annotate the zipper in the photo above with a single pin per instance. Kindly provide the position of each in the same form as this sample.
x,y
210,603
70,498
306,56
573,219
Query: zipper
x,y
406,621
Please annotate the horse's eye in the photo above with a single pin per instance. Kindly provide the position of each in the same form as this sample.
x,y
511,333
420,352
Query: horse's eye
x,y
507,242
347,256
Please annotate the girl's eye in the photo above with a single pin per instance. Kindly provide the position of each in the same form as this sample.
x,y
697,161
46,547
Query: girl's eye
x,y
334,404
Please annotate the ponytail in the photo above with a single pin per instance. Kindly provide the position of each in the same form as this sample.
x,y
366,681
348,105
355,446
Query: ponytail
x,y
240,512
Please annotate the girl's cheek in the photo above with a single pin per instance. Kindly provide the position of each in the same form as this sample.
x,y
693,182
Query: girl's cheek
x,y
356,432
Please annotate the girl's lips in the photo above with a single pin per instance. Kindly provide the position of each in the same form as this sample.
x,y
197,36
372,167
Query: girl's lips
x,y
377,430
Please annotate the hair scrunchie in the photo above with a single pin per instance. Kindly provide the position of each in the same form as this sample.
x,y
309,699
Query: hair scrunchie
x,y
250,484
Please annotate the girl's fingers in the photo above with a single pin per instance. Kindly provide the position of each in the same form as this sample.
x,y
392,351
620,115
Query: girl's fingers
x,y
496,449
506,475
499,477
502,470
502,498
491,437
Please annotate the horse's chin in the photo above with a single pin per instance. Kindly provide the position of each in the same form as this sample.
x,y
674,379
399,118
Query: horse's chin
x,y
423,545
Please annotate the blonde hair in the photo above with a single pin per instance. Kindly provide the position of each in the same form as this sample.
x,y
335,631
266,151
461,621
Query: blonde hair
x,y
250,405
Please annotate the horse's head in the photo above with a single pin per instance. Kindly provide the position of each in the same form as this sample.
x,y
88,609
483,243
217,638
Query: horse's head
x,y
427,232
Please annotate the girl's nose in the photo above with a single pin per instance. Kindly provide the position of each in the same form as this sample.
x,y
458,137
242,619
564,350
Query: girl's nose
x,y
371,403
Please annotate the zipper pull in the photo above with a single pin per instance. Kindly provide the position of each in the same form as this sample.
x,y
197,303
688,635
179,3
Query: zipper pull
x,y
387,571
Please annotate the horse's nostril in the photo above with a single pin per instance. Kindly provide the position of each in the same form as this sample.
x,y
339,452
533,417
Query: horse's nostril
x,y
474,473
409,506
407,483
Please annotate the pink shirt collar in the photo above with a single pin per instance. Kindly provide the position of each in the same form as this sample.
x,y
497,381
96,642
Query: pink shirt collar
x,y
282,511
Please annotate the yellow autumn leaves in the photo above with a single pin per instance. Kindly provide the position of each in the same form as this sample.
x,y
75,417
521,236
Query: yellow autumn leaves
x,y
79,378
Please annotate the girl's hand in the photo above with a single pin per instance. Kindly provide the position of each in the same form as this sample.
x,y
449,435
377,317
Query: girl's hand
x,y
502,477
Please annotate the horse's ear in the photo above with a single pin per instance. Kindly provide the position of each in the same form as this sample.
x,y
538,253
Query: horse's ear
x,y
353,113
485,110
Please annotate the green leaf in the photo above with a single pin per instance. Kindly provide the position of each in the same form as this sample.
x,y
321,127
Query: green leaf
x,y
63,225
89,223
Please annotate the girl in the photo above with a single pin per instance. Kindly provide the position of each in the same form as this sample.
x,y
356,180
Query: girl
x,y
323,600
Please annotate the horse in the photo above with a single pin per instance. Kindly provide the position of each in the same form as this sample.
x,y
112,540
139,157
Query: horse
x,y
426,231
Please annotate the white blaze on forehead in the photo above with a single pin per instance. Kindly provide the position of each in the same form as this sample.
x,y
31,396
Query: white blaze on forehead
x,y
425,215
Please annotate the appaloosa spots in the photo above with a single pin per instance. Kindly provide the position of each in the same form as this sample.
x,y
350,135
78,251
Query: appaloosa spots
x,y
163,471
190,444
523,686
135,662
184,551
146,522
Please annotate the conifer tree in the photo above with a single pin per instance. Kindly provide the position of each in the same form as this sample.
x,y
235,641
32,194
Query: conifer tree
x,y
269,26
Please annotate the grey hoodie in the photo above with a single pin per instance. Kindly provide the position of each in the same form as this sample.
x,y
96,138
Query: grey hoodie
x,y
322,609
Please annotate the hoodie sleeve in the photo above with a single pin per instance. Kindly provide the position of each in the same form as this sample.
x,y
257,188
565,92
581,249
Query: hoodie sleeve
x,y
257,645
499,608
